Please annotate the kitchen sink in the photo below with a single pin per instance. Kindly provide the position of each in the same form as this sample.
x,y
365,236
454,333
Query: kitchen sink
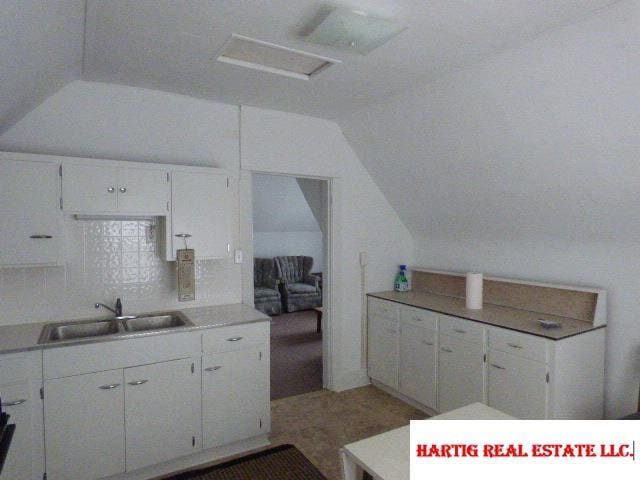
x,y
58,332
155,322
73,330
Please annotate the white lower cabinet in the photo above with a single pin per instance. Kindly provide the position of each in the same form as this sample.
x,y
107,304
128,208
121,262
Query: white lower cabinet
x,y
235,395
20,382
84,426
418,364
25,458
383,350
460,373
517,386
161,411
145,405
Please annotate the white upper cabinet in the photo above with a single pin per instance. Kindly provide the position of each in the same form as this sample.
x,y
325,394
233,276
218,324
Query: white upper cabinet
x,y
143,191
30,215
114,188
200,207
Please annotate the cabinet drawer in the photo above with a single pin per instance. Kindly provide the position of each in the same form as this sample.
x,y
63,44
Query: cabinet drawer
x,y
460,328
20,367
419,317
516,343
96,357
383,308
235,337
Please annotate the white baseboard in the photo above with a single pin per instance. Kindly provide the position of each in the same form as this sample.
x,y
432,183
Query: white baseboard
x,y
404,398
349,380
194,460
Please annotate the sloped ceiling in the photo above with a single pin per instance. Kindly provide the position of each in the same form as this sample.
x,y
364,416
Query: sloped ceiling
x,y
171,46
280,206
41,47
539,143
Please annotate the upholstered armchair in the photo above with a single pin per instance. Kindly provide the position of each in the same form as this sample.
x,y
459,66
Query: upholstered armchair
x,y
266,294
300,290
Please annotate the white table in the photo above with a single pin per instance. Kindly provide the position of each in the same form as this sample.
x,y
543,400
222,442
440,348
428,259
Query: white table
x,y
386,456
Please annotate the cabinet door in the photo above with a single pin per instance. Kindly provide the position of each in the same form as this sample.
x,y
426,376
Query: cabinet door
x,y
201,207
162,411
460,373
418,368
30,217
383,351
517,386
143,191
84,426
89,189
235,396
24,460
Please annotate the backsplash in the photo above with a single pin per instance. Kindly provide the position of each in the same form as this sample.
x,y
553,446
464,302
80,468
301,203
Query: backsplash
x,y
105,259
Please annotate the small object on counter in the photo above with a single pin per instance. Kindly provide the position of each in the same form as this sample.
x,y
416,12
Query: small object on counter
x,y
548,323
401,284
474,291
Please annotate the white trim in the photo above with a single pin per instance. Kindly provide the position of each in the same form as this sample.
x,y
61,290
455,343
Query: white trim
x,y
220,57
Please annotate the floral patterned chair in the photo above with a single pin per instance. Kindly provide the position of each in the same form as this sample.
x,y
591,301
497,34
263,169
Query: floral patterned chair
x,y
266,295
300,290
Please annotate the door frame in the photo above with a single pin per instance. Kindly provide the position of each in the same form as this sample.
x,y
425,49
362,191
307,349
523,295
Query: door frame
x,y
328,294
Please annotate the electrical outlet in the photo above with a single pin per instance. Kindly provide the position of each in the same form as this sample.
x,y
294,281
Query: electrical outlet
x,y
237,256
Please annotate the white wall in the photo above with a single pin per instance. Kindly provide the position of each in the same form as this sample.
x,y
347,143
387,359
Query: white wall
x,y
110,121
527,166
283,222
363,220
40,51
101,120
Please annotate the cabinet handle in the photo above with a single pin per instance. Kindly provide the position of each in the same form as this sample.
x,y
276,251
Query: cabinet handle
x,y
391,330
111,189
109,387
457,330
212,369
446,350
427,343
513,345
14,403
417,319
138,382
123,189
41,237
234,339
497,366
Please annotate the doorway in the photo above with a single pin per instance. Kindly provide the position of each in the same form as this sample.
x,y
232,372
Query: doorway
x,y
291,259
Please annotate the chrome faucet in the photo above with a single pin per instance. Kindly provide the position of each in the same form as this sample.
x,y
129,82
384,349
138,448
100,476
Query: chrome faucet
x,y
117,311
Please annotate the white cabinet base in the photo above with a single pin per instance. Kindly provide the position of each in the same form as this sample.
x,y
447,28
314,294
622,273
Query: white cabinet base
x,y
395,393
201,458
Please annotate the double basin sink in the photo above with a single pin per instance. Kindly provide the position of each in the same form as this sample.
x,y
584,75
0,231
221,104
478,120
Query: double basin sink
x,y
85,329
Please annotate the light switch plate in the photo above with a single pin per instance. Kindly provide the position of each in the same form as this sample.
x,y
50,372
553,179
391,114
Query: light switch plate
x,y
237,257
364,259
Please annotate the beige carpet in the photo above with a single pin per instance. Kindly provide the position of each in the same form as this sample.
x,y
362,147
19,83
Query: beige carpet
x,y
296,354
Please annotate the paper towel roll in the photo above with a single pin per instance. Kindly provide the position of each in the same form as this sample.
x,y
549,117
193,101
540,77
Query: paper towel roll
x,y
474,291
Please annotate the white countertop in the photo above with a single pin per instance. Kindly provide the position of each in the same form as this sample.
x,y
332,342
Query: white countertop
x,y
24,337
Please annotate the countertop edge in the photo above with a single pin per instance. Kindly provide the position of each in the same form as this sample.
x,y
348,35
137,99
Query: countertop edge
x,y
255,316
381,296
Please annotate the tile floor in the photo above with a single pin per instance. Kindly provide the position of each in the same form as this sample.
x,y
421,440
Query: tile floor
x,y
321,422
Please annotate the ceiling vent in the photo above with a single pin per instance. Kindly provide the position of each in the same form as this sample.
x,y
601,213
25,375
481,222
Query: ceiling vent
x,y
354,30
268,57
